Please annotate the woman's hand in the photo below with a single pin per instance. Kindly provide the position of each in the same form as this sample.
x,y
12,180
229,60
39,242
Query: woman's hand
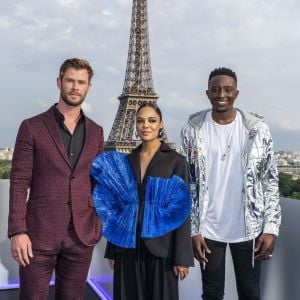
x,y
181,271
111,263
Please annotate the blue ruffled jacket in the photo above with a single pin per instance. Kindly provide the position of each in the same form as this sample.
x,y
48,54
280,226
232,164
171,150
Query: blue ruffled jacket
x,y
159,205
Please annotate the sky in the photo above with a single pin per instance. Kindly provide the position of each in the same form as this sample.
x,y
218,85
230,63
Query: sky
x,y
259,40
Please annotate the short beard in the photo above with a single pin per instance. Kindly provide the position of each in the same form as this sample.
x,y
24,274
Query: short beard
x,y
221,111
65,98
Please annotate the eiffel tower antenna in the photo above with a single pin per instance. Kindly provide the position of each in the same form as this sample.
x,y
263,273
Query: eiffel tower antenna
x,y
138,86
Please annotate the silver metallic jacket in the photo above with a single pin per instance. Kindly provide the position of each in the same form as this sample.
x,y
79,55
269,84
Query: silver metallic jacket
x,y
261,195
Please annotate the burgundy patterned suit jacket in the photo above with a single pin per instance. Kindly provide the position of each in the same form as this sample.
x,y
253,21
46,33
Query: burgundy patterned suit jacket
x,y
40,164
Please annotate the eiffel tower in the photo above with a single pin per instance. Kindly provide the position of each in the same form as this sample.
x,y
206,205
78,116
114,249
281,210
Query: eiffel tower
x,y
138,86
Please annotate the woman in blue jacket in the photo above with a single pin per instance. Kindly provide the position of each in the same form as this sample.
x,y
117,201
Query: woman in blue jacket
x,y
144,202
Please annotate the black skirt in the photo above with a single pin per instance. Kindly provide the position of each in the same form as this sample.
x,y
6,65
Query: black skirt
x,y
138,275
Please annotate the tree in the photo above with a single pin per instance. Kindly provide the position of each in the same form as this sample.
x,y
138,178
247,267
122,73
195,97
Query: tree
x,y
285,184
295,195
5,167
296,186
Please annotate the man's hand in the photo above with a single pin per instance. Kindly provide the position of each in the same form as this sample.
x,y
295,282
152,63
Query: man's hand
x,y
265,246
182,271
200,248
21,249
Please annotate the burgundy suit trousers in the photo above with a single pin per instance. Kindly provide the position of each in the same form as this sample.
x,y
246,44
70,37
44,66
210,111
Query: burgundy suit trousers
x,y
70,261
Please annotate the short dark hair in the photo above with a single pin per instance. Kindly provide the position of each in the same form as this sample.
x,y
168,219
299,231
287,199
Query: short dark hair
x,y
222,71
77,64
152,105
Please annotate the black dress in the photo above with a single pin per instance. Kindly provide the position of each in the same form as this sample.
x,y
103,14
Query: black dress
x,y
146,272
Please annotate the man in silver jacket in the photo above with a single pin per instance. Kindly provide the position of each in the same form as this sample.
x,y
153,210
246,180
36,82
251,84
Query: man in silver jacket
x,y
234,187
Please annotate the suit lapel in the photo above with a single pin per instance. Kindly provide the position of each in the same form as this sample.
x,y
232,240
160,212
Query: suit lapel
x,y
152,163
51,124
156,158
134,160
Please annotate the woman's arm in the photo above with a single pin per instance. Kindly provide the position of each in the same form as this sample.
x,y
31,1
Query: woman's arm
x,y
183,250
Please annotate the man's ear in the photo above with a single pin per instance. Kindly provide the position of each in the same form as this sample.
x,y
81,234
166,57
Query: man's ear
x,y
58,82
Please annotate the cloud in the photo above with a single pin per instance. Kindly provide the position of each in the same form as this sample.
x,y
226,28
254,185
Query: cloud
x,y
259,39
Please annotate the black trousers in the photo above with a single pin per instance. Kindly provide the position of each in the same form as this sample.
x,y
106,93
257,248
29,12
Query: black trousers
x,y
138,275
247,277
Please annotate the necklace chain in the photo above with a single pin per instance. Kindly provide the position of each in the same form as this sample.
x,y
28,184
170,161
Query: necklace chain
x,y
224,147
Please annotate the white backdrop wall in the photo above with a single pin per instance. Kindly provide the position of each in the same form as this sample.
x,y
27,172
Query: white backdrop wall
x,y
8,267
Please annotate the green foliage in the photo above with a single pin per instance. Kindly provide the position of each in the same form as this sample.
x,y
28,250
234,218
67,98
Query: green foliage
x,y
288,187
295,195
297,186
5,167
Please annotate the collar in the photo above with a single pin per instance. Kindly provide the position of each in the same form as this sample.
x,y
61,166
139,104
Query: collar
x,y
163,147
134,160
250,119
60,117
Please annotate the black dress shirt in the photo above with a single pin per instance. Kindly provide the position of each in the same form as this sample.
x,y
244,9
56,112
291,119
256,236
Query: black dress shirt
x,y
73,142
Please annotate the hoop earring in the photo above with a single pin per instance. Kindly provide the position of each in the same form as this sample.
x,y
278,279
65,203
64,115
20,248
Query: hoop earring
x,y
160,133
136,135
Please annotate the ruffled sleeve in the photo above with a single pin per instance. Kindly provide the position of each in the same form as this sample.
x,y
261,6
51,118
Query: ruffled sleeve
x,y
167,205
115,197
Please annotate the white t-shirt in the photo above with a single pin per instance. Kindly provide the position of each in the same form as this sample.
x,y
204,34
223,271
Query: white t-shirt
x,y
225,217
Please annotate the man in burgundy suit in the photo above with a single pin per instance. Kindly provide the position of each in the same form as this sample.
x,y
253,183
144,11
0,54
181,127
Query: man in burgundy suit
x,y
52,220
